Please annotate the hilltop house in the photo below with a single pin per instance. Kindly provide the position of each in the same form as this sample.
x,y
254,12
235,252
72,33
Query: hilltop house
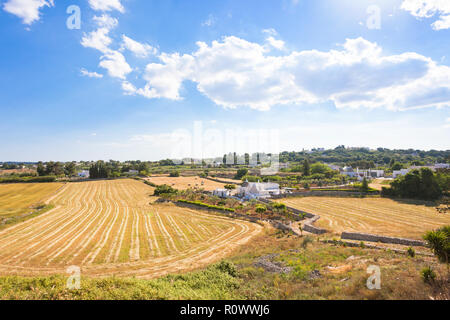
x,y
222,193
83,174
256,190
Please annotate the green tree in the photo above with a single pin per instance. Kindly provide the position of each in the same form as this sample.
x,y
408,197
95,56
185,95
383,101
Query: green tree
x,y
365,186
70,169
241,173
261,209
306,168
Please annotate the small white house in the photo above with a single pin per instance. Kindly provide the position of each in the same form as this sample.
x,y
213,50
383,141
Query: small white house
x,y
349,172
133,172
441,166
222,193
397,173
256,190
83,174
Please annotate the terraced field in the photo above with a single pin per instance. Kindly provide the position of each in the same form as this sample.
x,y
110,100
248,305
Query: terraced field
x,y
109,227
16,199
371,215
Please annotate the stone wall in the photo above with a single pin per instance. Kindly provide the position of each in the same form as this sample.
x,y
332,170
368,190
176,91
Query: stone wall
x,y
382,239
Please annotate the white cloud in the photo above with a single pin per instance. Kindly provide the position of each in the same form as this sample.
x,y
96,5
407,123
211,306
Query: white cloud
x,y
97,39
89,74
428,9
27,10
210,21
234,72
106,21
141,50
106,5
116,65
277,44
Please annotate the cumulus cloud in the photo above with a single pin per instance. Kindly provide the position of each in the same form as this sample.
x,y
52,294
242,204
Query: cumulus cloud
x,y
141,50
27,10
116,65
89,74
106,5
428,9
106,21
97,39
234,72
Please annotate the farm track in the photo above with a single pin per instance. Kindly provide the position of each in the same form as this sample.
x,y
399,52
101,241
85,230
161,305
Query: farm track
x,y
109,228
371,215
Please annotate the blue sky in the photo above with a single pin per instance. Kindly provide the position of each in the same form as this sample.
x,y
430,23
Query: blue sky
x,y
312,73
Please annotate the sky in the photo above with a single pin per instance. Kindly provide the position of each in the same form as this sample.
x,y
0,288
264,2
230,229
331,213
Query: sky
x,y
156,79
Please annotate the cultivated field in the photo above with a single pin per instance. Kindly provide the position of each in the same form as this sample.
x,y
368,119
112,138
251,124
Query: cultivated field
x,y
109,228
371,215
17,199
183,183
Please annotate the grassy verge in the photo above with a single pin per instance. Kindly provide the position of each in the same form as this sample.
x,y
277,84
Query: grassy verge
x,y
6,222
316,271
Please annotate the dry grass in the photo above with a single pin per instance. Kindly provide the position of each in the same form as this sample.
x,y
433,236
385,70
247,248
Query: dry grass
x,y
183,183
378,184
109,228
372,215
17,199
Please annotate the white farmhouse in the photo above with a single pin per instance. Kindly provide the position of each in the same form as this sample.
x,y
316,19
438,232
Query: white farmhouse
x,y
397,173
222,193
349,172
256,190
84,174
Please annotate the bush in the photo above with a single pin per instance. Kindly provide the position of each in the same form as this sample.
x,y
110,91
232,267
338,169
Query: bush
x,y
306,241
428,275
411,252
164,189
42,179
174,174
227,267
439,242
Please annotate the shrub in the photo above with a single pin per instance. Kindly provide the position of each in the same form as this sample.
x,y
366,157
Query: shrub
x,y
428,275
411,252
439,242
227,267
42,179
306,241
174,174
164,189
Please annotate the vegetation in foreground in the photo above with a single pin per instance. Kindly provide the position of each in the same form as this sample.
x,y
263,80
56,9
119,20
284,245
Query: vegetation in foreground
x,y
272,266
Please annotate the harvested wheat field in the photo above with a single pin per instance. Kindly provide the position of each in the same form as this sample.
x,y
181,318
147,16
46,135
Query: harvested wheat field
x,y
109,228
16,199
371,215
184,183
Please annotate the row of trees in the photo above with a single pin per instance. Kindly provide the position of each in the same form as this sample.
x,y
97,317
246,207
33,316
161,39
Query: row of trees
x,y
418,184
56,169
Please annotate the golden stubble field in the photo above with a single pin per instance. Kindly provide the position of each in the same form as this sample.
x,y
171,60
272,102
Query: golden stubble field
x,y
16,199
372,215
184,183
110,228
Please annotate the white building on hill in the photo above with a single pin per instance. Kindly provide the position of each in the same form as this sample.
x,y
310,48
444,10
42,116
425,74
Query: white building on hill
x,y
84,174
256,190
222,193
